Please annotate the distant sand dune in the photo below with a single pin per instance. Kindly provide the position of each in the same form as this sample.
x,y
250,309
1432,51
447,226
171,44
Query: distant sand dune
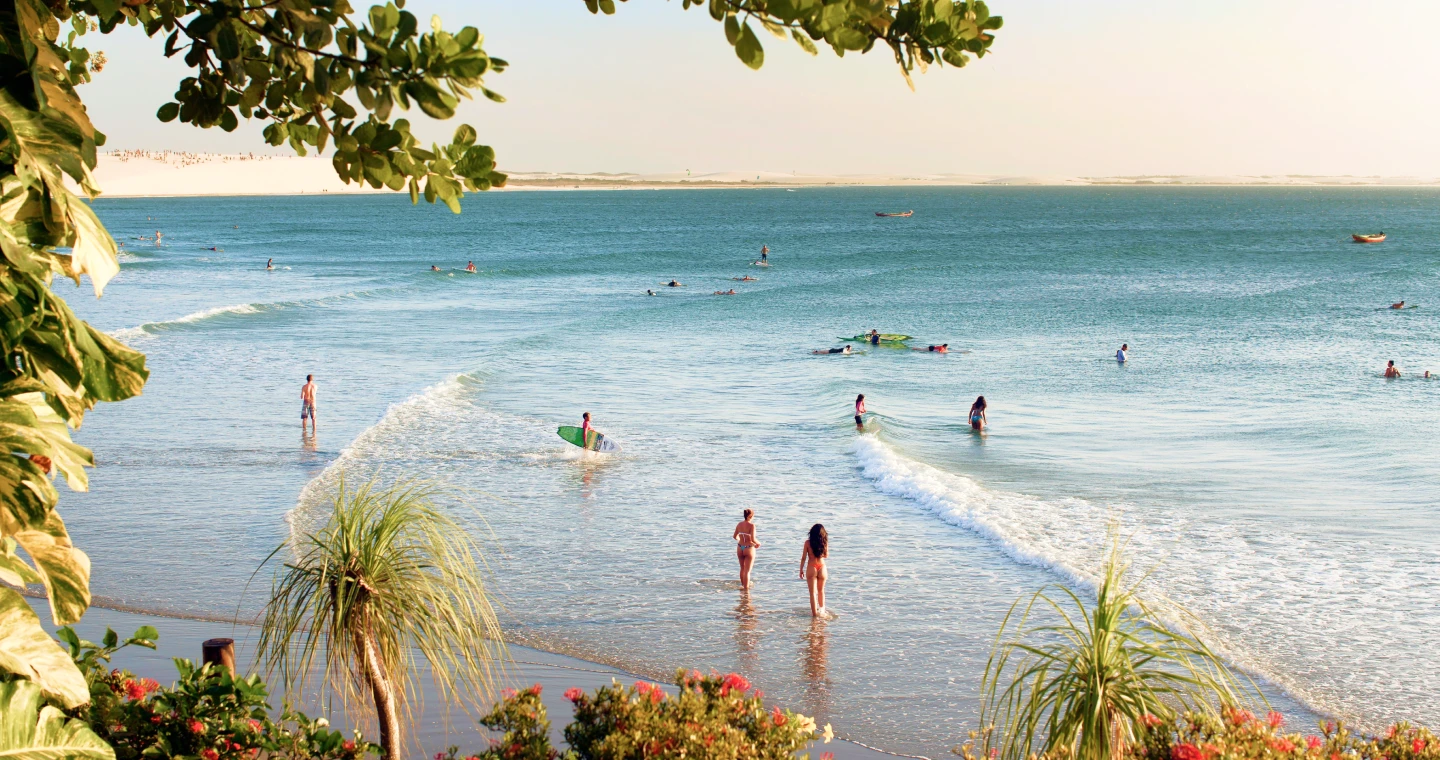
x,y
164,173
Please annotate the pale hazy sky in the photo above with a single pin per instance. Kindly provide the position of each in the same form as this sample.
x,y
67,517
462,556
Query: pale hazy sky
x,y
1107,87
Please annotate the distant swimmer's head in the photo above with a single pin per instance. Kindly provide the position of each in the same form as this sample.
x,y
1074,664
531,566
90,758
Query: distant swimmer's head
x,y
749,513
845,350
819,540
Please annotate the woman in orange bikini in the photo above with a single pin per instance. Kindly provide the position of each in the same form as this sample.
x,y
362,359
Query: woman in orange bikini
x,y
745,551
812,567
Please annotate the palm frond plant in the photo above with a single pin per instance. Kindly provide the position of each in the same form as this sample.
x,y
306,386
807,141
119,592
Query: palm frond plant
x,y
1085,685
386,577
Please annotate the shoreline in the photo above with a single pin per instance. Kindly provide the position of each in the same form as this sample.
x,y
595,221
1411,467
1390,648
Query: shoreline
x,y
527,664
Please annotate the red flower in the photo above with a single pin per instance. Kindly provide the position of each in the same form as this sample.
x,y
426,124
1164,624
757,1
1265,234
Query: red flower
x,y
196,726
827,756
209,753
1274,719
1329,727
643,687
1418,746
348,745
535,690
779,716
656,694
1282,745
1313,742
1186,751
236,746
759,694
254,724
1151,721
574,694
734,681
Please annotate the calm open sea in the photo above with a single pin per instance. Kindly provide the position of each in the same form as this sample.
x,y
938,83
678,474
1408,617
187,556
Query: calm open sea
x,y
1276,485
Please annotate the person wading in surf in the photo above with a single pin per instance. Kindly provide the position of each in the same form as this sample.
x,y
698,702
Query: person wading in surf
x,y
812,568
307,404
977,414
745,550
860,412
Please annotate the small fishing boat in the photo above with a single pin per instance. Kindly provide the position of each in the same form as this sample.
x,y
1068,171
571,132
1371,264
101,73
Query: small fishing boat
x,y
1377,238
888,213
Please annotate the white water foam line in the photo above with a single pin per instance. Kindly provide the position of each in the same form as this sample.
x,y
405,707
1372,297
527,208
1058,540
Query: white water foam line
x,y
150,328
1067,537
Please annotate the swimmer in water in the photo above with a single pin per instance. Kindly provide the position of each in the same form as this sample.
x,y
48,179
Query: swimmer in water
x,y
747,544
977,414
943,348
812,567
434,268
729,292
1391,370
746,278
674,284
269,264
649,292
844,350
874,337
1399,305
470,267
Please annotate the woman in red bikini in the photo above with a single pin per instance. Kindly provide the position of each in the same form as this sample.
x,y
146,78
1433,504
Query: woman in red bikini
x,y
812,567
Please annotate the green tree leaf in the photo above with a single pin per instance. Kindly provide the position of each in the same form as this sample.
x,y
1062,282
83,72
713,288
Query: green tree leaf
x,y
748,48
27,651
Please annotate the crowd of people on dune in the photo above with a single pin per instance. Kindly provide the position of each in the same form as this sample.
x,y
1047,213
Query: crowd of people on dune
x,y
184,158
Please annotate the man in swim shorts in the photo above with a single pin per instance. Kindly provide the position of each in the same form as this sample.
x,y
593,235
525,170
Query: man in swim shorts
x,y
307,404
764,253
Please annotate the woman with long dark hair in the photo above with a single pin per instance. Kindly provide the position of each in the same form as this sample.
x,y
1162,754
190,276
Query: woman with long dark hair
x,y
745,550
812,567
977,414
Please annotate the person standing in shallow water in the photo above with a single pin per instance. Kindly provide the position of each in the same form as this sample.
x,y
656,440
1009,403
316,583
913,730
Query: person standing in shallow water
x,y
307,404
745,550
812,567
977,414
860,412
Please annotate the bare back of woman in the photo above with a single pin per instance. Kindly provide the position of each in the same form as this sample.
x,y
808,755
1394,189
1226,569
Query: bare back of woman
x,y
745,548
812,567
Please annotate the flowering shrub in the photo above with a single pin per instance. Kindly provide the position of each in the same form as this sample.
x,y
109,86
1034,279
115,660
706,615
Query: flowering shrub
x,y
208,714
1238,734
713,717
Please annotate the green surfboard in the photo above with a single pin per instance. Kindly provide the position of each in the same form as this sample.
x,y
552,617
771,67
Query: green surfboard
x,y
598,441
884,338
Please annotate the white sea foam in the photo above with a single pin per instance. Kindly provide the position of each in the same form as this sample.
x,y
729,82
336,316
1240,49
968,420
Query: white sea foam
x,y
150,328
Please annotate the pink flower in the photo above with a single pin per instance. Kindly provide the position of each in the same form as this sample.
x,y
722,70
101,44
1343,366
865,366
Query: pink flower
x,y
1329,727
1151,721
1186,751
1274,719
779,716
574,694
209,753
1282,745
827,756
196,726
504,694
1313,742
535,689
643,687
254,725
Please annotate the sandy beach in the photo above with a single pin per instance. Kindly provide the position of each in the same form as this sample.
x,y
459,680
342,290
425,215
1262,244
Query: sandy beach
x,y
130,174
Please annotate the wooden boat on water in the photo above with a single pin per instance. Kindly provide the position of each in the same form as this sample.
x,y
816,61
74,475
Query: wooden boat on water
x,y
887,213
1377,238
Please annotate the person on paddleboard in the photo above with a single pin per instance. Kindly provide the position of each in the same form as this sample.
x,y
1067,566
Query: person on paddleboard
x,y
977,414
860,412
745,549
765,253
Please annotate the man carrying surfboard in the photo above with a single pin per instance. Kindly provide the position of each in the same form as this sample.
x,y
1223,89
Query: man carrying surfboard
x,y
585,429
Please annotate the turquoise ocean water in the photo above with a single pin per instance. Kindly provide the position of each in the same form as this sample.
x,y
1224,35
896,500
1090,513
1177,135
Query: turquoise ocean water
x,y
1276,485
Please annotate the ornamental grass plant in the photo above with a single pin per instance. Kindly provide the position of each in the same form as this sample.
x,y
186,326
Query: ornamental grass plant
x,y
1084,687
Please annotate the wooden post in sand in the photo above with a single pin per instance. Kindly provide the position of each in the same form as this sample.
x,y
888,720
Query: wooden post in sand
x,y
219,651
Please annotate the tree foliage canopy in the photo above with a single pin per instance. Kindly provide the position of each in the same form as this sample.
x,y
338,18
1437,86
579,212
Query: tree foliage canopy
x,y
321,75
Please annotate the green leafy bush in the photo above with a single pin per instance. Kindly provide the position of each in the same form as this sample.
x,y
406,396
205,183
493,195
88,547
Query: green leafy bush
x,y
208,713
1238,734
713,717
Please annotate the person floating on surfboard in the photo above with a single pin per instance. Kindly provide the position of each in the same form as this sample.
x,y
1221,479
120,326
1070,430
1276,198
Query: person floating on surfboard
x,y
470,267
1399,305
844,350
